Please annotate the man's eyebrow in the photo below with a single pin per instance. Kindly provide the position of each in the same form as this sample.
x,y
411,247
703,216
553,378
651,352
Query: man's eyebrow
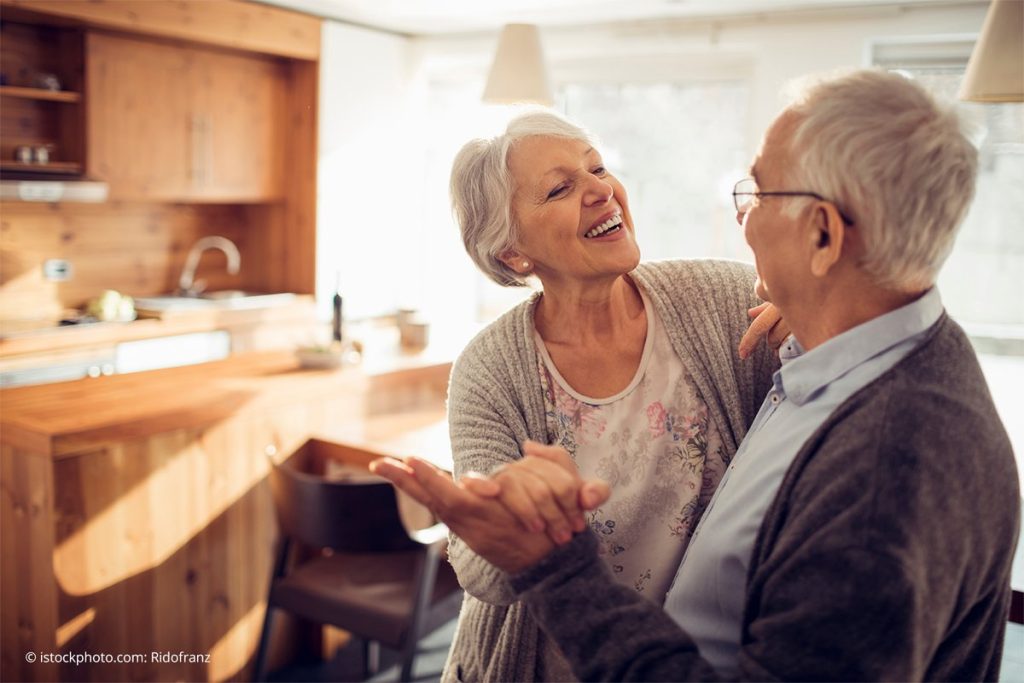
x,y
753,171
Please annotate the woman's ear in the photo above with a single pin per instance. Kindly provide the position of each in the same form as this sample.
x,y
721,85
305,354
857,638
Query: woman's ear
x,y
516,261
828,237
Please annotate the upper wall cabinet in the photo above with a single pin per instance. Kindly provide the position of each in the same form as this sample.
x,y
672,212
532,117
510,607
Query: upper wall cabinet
x,y
170,122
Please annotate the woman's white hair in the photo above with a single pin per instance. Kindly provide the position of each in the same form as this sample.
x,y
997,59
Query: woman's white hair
x,y
482,188
895,161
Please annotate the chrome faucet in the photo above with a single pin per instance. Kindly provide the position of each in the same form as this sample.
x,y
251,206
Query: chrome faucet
x,y
187,285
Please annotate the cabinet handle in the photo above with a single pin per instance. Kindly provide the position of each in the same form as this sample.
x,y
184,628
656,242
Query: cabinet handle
x,y
206,149
194,152
202,150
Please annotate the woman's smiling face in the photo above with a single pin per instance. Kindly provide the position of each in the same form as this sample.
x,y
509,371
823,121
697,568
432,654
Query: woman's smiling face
x,y
573,215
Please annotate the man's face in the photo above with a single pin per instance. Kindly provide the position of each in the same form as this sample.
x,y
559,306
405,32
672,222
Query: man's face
x,y
769,226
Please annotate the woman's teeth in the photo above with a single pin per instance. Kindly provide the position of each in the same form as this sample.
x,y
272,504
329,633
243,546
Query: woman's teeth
x,y
613,224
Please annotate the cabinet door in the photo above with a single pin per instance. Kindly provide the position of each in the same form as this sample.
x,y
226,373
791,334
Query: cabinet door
x,y
183,123
238,120
139,117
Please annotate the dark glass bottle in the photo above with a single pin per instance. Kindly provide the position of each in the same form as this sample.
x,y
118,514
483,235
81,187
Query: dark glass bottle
x,y
338,318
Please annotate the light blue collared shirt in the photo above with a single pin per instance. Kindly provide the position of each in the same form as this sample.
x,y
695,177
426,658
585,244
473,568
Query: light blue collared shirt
x,y
707,595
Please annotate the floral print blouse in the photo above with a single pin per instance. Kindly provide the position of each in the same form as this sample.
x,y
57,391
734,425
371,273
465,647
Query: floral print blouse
x,y
652,442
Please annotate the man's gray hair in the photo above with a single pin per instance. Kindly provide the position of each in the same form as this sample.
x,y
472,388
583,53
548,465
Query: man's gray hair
x,y
482,188
895,161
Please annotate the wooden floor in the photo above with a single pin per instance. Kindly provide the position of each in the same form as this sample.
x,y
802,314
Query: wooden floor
x,y
434,650
347,663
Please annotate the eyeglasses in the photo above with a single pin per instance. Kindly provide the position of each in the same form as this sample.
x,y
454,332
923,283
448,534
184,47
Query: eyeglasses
x,y
745,192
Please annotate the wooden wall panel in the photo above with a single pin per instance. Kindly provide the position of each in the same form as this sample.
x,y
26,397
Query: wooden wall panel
x,y
138,249
296,243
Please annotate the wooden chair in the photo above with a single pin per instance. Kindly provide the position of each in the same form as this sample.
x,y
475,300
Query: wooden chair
x,y
369,575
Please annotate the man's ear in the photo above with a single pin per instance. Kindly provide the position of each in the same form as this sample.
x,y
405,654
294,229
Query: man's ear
x,y
828,238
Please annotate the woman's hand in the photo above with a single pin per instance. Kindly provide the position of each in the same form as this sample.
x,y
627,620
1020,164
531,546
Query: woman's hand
x,y
767,323
542,490
483,523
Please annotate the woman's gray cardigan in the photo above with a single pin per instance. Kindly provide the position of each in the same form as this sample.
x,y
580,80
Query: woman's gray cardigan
x,y
495,402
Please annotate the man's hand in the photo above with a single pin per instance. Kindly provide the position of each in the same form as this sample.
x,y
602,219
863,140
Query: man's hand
x,y
543,490
483,523
767,324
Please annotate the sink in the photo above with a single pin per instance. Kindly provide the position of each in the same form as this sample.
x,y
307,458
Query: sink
x,y
228,299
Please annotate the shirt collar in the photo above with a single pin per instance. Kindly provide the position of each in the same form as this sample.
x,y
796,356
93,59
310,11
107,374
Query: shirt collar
x,y
804,374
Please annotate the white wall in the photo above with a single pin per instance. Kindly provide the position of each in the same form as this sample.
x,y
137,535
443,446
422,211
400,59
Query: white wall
x,y
369,178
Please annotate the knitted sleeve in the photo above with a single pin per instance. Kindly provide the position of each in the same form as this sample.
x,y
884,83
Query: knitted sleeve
x,y
704,306
486,429
733,287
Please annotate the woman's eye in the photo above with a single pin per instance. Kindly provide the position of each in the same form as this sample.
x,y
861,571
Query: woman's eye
x,y
557,191
600,171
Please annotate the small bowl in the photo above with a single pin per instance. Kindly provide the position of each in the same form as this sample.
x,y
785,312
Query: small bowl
x,y
319,357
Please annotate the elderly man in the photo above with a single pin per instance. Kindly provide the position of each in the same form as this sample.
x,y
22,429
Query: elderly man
x,y
866,527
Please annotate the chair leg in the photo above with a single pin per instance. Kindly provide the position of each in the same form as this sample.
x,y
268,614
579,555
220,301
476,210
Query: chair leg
x,y
371,658
407,663
260,671
280,562
425,589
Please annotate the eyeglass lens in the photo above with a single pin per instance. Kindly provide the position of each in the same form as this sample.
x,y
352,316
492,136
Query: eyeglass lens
x,y
743,194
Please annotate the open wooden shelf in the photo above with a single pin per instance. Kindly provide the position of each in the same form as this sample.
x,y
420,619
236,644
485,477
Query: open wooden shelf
x,y
40,94
61,167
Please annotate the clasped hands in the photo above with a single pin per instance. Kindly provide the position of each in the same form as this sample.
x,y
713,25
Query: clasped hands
x,y
516,516
512,518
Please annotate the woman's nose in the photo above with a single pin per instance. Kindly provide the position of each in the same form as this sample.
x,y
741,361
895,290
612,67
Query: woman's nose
x,y
599,191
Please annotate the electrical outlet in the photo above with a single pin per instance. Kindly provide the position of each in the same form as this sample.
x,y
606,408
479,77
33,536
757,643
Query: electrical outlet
x,y
57,270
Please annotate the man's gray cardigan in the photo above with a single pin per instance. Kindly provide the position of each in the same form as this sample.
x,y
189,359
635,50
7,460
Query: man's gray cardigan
x,y
495,402
885,555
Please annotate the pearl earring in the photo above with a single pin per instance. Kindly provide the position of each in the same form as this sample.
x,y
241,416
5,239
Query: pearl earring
x,y
526,264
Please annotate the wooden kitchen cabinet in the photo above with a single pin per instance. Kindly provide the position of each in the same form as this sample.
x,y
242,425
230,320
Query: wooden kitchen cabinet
x,y
170,122
35,111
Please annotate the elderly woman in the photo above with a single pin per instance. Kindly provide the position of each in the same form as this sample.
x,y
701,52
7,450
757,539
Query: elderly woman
x,y
630,367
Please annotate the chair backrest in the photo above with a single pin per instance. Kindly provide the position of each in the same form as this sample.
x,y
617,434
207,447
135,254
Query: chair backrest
x,y
349,516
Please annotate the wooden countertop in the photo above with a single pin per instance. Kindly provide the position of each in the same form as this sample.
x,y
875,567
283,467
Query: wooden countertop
x,y
69,417
55,338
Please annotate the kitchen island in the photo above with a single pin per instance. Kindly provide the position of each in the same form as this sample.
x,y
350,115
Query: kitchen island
x,y
135,512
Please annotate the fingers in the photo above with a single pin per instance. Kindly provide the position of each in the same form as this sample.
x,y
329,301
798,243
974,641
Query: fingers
x,y
779,334
403,477
444,494
767,316
518,500
593,493
562,482
565,480
553,500
757,310
480,484
555,454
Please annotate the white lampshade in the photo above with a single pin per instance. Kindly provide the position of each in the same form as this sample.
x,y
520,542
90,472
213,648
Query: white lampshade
x,y
995,72
518,74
